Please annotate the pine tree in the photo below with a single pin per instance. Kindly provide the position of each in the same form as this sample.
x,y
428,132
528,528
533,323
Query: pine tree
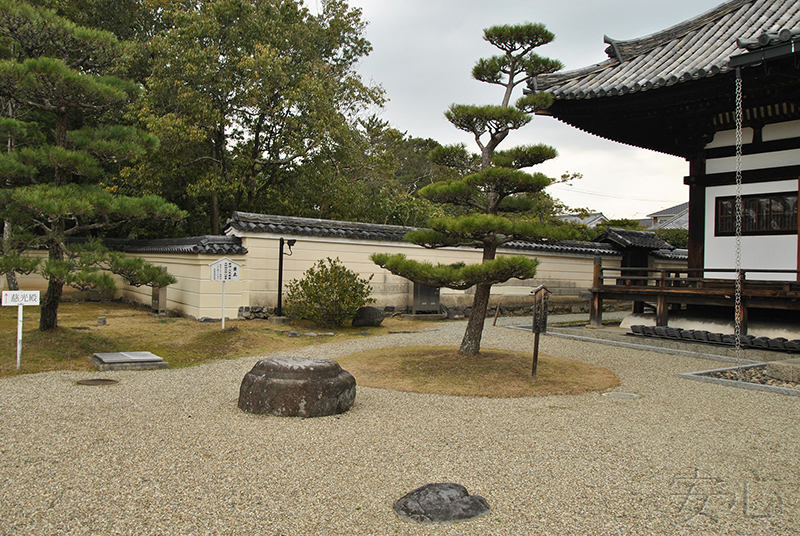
x,y
491,196
62,76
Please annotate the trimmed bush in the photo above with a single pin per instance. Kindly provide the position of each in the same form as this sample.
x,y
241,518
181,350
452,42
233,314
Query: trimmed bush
x,y
329,294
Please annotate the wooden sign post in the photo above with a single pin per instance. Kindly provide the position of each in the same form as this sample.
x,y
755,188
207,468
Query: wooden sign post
x,y
20,298
541,299
223,270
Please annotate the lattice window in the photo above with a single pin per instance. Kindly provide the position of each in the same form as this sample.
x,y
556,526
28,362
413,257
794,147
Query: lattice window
x,y
764,214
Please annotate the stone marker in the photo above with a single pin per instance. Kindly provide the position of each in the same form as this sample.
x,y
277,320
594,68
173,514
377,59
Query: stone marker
x,y
128,361
368,317
297,387
434,503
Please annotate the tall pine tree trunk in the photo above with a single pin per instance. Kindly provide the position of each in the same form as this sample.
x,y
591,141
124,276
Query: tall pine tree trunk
x,y
48,316
471,343
11,277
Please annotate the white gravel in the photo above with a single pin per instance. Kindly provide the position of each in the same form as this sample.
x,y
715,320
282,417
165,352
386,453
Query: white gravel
x,y
168,452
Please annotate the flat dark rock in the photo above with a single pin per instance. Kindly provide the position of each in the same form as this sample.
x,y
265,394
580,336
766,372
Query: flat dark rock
x,y
437,503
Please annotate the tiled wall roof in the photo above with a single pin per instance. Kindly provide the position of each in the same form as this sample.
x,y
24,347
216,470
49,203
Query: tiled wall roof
x,y
206,245
626,238
291,226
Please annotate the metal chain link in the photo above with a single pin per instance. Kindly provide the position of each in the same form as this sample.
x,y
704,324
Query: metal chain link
x,y
739,211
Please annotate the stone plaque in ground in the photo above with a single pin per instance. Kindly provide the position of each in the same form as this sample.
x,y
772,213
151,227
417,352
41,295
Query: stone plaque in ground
x,y
128,361
440,503
297,387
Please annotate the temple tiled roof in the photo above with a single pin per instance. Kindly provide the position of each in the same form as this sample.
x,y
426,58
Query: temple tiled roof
x,y
193,245
697,48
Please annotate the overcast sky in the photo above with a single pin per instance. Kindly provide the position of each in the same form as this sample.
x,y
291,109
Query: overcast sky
x,y
423,53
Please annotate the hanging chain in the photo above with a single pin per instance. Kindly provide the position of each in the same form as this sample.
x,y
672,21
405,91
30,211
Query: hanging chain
x,y
739,211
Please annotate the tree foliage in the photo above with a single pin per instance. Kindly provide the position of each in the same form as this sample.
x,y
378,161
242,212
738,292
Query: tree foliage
x,y
63,102
244,92
328,294
678,238
490,189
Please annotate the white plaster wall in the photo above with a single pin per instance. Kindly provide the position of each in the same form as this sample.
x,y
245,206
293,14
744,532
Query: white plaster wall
x,y
564,274
758,252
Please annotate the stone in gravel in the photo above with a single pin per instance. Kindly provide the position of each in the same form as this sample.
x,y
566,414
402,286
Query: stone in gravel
x,y
297,387
368,317
435,503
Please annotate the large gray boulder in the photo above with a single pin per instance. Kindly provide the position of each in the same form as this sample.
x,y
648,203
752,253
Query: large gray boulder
x,y
368,317
440,503
297,387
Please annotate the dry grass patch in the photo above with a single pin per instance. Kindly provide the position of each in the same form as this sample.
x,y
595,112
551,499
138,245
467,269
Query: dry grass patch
x,y
180,341
493,373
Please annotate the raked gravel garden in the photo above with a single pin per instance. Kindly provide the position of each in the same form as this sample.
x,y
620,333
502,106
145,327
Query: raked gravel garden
x,y
168,452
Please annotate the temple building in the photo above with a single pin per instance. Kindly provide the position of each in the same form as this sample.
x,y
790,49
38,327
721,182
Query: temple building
x,y
675,92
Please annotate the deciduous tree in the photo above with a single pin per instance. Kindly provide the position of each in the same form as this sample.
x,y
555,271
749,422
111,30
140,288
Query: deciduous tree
x,y
242,92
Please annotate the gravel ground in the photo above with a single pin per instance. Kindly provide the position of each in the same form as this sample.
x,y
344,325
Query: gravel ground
x,y
168,452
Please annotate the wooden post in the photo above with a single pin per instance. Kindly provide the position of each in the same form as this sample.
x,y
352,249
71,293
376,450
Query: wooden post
x,y
596,305
743,309
540,305
662,314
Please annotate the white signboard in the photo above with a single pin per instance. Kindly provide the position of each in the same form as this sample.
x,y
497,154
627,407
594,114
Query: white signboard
x,y
225,270
20,297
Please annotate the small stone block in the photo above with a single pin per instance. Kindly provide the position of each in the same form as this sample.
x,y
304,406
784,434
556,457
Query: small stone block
x,y
787,370
128,361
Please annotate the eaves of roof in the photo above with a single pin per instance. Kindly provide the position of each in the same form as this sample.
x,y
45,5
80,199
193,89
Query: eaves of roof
x,y
695,49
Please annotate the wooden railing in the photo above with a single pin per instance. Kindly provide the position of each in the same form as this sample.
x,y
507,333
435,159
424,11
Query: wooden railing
x,y
691,286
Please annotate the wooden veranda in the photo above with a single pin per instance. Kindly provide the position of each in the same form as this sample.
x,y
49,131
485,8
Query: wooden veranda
x,y
670,289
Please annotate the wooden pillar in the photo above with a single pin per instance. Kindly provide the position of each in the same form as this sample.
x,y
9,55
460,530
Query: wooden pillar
x,y
662,314
596,305
697,213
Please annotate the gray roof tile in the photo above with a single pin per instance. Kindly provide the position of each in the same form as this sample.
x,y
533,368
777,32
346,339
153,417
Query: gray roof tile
x,y
193,245
626,238
697,48
290,225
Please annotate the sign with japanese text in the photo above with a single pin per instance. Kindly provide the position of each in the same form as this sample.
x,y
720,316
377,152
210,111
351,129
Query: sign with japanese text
x,y
225,270
20,297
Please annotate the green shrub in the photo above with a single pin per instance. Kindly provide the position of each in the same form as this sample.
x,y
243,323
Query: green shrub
x,y
329,294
